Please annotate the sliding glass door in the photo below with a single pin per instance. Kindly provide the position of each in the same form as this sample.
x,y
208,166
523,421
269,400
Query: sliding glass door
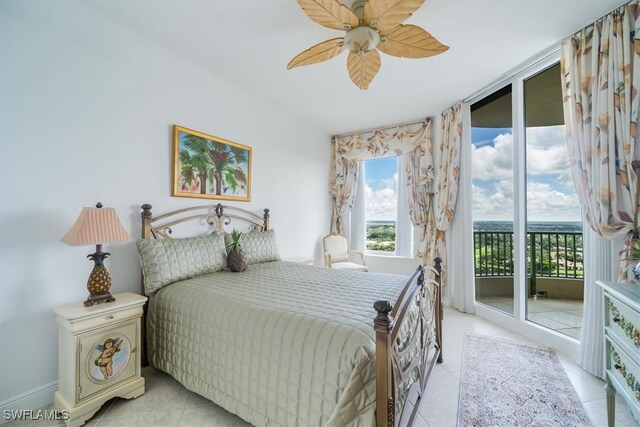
x,y
493,208
555,273
527,229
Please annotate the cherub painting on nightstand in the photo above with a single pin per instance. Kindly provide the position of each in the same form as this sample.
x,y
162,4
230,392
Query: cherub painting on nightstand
x,y
105,360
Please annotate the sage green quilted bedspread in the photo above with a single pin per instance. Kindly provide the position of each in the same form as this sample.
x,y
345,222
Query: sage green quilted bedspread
x,y
280,344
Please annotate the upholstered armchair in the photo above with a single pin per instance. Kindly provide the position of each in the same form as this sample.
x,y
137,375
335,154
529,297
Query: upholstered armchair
x,y
337,254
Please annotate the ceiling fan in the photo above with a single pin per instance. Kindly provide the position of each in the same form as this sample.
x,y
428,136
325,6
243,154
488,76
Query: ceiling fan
x,y
370,25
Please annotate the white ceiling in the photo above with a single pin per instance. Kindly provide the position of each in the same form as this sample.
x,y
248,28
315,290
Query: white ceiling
x,y
250,42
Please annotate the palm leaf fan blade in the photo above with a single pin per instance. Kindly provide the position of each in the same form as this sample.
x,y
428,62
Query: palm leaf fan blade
x,y
389,13
318,53
362,69
329,13
410,41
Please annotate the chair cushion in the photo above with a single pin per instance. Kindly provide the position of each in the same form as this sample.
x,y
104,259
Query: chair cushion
x,y
348,266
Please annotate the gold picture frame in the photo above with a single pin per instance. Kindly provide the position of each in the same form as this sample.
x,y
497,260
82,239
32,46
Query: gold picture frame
x,y
208,167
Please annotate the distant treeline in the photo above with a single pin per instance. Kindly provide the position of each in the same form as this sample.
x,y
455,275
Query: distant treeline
x,y
559,226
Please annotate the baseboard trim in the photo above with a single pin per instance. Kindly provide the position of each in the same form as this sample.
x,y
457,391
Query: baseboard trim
x,y
32,399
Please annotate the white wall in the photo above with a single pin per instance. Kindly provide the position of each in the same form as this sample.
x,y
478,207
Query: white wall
x,y
86,109
404,266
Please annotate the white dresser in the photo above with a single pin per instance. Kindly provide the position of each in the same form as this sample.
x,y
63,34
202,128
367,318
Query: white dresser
x,y
622,346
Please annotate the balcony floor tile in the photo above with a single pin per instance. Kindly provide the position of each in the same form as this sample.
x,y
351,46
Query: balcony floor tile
x,y
558,314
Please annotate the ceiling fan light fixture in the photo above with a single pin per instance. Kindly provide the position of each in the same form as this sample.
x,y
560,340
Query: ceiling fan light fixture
x,y
361,40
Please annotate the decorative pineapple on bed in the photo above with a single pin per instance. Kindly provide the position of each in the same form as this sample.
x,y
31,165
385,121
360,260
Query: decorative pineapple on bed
x,y
236,259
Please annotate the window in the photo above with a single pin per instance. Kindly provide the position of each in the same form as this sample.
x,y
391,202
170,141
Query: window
x,y
384,208
381,195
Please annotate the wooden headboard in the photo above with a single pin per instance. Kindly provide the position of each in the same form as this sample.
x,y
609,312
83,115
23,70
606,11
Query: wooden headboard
x,y
218,216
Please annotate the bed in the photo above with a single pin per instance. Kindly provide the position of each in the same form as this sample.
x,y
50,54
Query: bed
x,y
295,345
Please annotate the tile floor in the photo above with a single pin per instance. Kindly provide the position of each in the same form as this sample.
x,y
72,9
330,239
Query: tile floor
x,y
167,403
562,315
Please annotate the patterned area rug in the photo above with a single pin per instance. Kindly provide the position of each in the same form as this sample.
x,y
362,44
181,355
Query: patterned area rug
x,y
509,384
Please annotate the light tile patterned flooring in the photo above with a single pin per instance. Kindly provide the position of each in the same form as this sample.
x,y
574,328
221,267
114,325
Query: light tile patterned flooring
x,y
562,315
167,403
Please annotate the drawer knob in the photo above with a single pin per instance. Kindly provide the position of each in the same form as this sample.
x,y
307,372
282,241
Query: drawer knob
x,y
111,316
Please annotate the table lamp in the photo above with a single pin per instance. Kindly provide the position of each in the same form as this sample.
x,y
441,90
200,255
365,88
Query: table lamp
x,y
96,226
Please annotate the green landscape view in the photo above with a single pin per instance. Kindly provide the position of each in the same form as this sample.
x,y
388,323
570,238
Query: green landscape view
x,y
381,236
555,248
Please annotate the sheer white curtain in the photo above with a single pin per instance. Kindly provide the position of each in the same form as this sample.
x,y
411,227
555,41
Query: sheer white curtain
x,y
461,281
598,265
404,230
358,224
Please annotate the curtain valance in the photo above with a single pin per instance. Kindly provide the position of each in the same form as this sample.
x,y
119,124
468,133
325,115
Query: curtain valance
x,y
415,146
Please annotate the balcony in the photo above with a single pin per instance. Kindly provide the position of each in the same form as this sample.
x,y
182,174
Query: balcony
x,y
555,276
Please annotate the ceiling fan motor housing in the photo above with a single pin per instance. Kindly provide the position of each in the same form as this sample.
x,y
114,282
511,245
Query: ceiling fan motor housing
x,y
357,7
361,40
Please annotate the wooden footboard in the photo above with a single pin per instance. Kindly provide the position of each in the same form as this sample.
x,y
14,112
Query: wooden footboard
x,y
408,344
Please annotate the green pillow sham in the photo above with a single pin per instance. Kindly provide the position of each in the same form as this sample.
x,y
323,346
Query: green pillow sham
x,y
167,261
258,246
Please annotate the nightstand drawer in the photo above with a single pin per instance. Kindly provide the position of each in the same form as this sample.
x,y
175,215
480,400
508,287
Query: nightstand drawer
x,y
100,319
622,321
107,357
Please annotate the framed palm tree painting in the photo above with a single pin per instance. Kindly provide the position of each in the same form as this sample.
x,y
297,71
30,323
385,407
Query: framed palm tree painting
x,y
209,167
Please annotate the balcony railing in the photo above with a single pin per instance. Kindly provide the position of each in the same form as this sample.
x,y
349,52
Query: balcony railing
x,y
549,254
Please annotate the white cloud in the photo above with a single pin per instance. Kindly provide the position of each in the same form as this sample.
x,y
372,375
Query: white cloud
x,y
546,153
497,206
495,161
381,203
543,203
547,150
546,204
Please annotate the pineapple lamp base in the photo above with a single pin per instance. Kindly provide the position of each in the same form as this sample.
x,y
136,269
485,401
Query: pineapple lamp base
x,y
99,299
99,282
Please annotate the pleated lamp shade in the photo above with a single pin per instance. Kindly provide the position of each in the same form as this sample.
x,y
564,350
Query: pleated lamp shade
x,y
96,226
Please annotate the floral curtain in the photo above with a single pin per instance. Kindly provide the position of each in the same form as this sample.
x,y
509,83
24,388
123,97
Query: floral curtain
x,y
418,170
600,79
447,181
343,184
601,75
416,149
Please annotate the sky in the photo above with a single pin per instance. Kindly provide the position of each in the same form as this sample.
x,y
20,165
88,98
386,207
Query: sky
x,y
381,178
550,191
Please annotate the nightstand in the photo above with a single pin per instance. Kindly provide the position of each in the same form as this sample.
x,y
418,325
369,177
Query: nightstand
x,y
300,260
98,355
